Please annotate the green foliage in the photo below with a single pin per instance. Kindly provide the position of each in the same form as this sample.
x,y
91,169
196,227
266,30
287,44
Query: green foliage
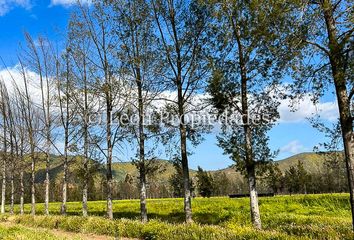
x,y
297,178
205,183
274,177
176,179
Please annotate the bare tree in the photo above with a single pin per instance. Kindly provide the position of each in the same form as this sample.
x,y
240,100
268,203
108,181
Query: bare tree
x,y
86,99
28,114
64,83
40,60
13,142
3,92
21,146
110,87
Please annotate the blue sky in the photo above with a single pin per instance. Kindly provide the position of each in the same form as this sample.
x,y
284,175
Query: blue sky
x,y
293,134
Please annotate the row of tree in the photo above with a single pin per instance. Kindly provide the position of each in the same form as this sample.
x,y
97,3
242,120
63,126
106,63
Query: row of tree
x,y
121,59
330,179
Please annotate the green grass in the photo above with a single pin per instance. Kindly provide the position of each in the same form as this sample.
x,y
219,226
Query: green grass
x,y
20,232
325,216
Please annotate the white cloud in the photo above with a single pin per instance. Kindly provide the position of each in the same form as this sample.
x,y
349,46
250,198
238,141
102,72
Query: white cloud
x,y
12,77
8,5
68,3
293,147
306,109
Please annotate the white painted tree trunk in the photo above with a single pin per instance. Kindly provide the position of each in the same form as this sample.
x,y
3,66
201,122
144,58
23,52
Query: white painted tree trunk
x,y
3,185
255,215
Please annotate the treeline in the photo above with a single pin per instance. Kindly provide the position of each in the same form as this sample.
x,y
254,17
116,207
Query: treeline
x,y
136,73
329,178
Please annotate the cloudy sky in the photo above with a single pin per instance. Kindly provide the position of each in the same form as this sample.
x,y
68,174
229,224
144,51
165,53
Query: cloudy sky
x,y
293,134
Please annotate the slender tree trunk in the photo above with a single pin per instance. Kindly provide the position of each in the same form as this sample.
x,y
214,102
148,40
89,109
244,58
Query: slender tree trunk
x,y
86,175
4,162
143,210
12,198
3,186
184,158
65,176
66,123
182,129
22,192
12,180
86,160
12,204
109,184
186,180
47,183
109,160
337,61
33,181
86,147
251,175
255,216
250,163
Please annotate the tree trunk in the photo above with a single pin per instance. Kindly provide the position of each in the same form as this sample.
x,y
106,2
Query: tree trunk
x,y
22,192
337,60
143,210
86,172
3,186
4,162
142,169
184,158
12,198
85,185
183,134
255,216
86,160
186,180
33,182
249,161
47,183
65,176
66,124
86,145
109,162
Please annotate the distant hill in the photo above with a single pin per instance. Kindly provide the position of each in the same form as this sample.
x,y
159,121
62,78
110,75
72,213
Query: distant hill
x,y
313,163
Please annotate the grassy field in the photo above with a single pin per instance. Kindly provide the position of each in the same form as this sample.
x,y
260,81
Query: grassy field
x,y
325,216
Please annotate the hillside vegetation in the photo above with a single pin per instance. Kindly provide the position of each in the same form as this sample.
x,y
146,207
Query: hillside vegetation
x,y
313,163
125,176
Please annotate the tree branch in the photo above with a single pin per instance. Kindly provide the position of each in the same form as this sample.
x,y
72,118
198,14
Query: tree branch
x,y
318,46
